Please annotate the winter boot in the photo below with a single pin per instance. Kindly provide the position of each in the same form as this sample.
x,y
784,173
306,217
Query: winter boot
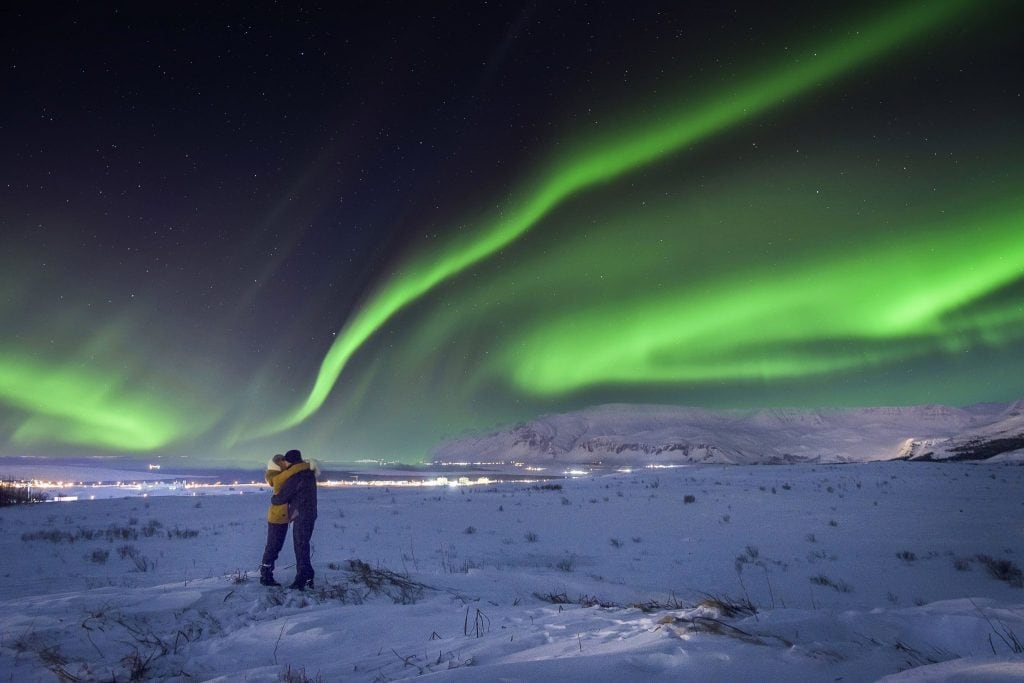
x,y
302,582
267,575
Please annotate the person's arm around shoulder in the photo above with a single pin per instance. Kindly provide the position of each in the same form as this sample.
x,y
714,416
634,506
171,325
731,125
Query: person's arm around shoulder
x,y
287,492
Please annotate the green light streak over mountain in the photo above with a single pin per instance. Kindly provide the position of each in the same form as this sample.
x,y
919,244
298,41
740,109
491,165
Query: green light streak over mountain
x,y
607,157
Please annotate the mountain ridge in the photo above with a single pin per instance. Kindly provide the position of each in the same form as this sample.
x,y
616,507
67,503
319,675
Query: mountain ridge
x,y
637,434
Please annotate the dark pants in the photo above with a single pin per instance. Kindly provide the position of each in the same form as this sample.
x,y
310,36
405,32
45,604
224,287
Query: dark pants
x,y
276,534
302,531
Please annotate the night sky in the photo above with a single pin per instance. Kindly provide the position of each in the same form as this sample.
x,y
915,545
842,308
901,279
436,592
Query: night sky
x,y
362,229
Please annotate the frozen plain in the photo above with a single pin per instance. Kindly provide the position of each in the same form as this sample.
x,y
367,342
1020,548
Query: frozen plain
x,y
857,573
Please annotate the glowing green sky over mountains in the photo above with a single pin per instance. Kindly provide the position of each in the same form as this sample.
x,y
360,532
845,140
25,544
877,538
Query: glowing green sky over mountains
x,y
724,210
877,303
606,157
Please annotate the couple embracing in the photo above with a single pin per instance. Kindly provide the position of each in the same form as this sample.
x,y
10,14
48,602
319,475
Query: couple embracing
x,y
294,482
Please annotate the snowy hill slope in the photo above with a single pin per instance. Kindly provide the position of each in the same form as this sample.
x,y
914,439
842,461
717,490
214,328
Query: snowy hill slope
x,y
620,434
1000,439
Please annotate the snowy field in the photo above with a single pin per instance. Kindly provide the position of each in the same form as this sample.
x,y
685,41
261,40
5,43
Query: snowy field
x,y
902,571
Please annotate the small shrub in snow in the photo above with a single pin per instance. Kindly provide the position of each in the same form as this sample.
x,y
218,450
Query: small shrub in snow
x,y
141,562
121,533
378,580
448,557
906,556
838,586
653,605
238,576
1004,570
567,564
962,564
328,590
554,598
530,536
616,543
54,660
729,607
481,624
813,557
688,498
470,529
583,600
51,535
181,533
100,555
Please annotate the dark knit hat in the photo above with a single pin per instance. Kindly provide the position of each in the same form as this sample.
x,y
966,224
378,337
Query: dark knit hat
x,y
293,456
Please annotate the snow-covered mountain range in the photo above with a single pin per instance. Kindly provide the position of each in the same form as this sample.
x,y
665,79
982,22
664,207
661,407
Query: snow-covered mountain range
x,y
620,434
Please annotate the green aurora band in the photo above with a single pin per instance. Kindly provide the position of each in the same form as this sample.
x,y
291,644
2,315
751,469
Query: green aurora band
x,y
79,381
639,144
901,296
75,405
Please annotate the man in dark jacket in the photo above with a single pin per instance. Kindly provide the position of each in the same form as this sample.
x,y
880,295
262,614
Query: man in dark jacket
x,y
299,494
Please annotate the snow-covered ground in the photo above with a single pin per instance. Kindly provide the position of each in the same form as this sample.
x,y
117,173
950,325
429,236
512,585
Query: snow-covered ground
x,y
856,572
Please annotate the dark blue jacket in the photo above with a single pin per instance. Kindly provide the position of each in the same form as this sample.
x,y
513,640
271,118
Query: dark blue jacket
x,y
299,494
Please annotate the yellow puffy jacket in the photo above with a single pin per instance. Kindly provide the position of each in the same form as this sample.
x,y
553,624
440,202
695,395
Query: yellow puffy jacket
x,y
278,514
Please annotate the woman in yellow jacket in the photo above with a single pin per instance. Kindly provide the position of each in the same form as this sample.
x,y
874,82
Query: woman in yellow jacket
x,y
278,472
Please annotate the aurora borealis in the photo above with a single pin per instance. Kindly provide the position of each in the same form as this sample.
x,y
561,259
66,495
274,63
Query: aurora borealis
x,y
224,234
